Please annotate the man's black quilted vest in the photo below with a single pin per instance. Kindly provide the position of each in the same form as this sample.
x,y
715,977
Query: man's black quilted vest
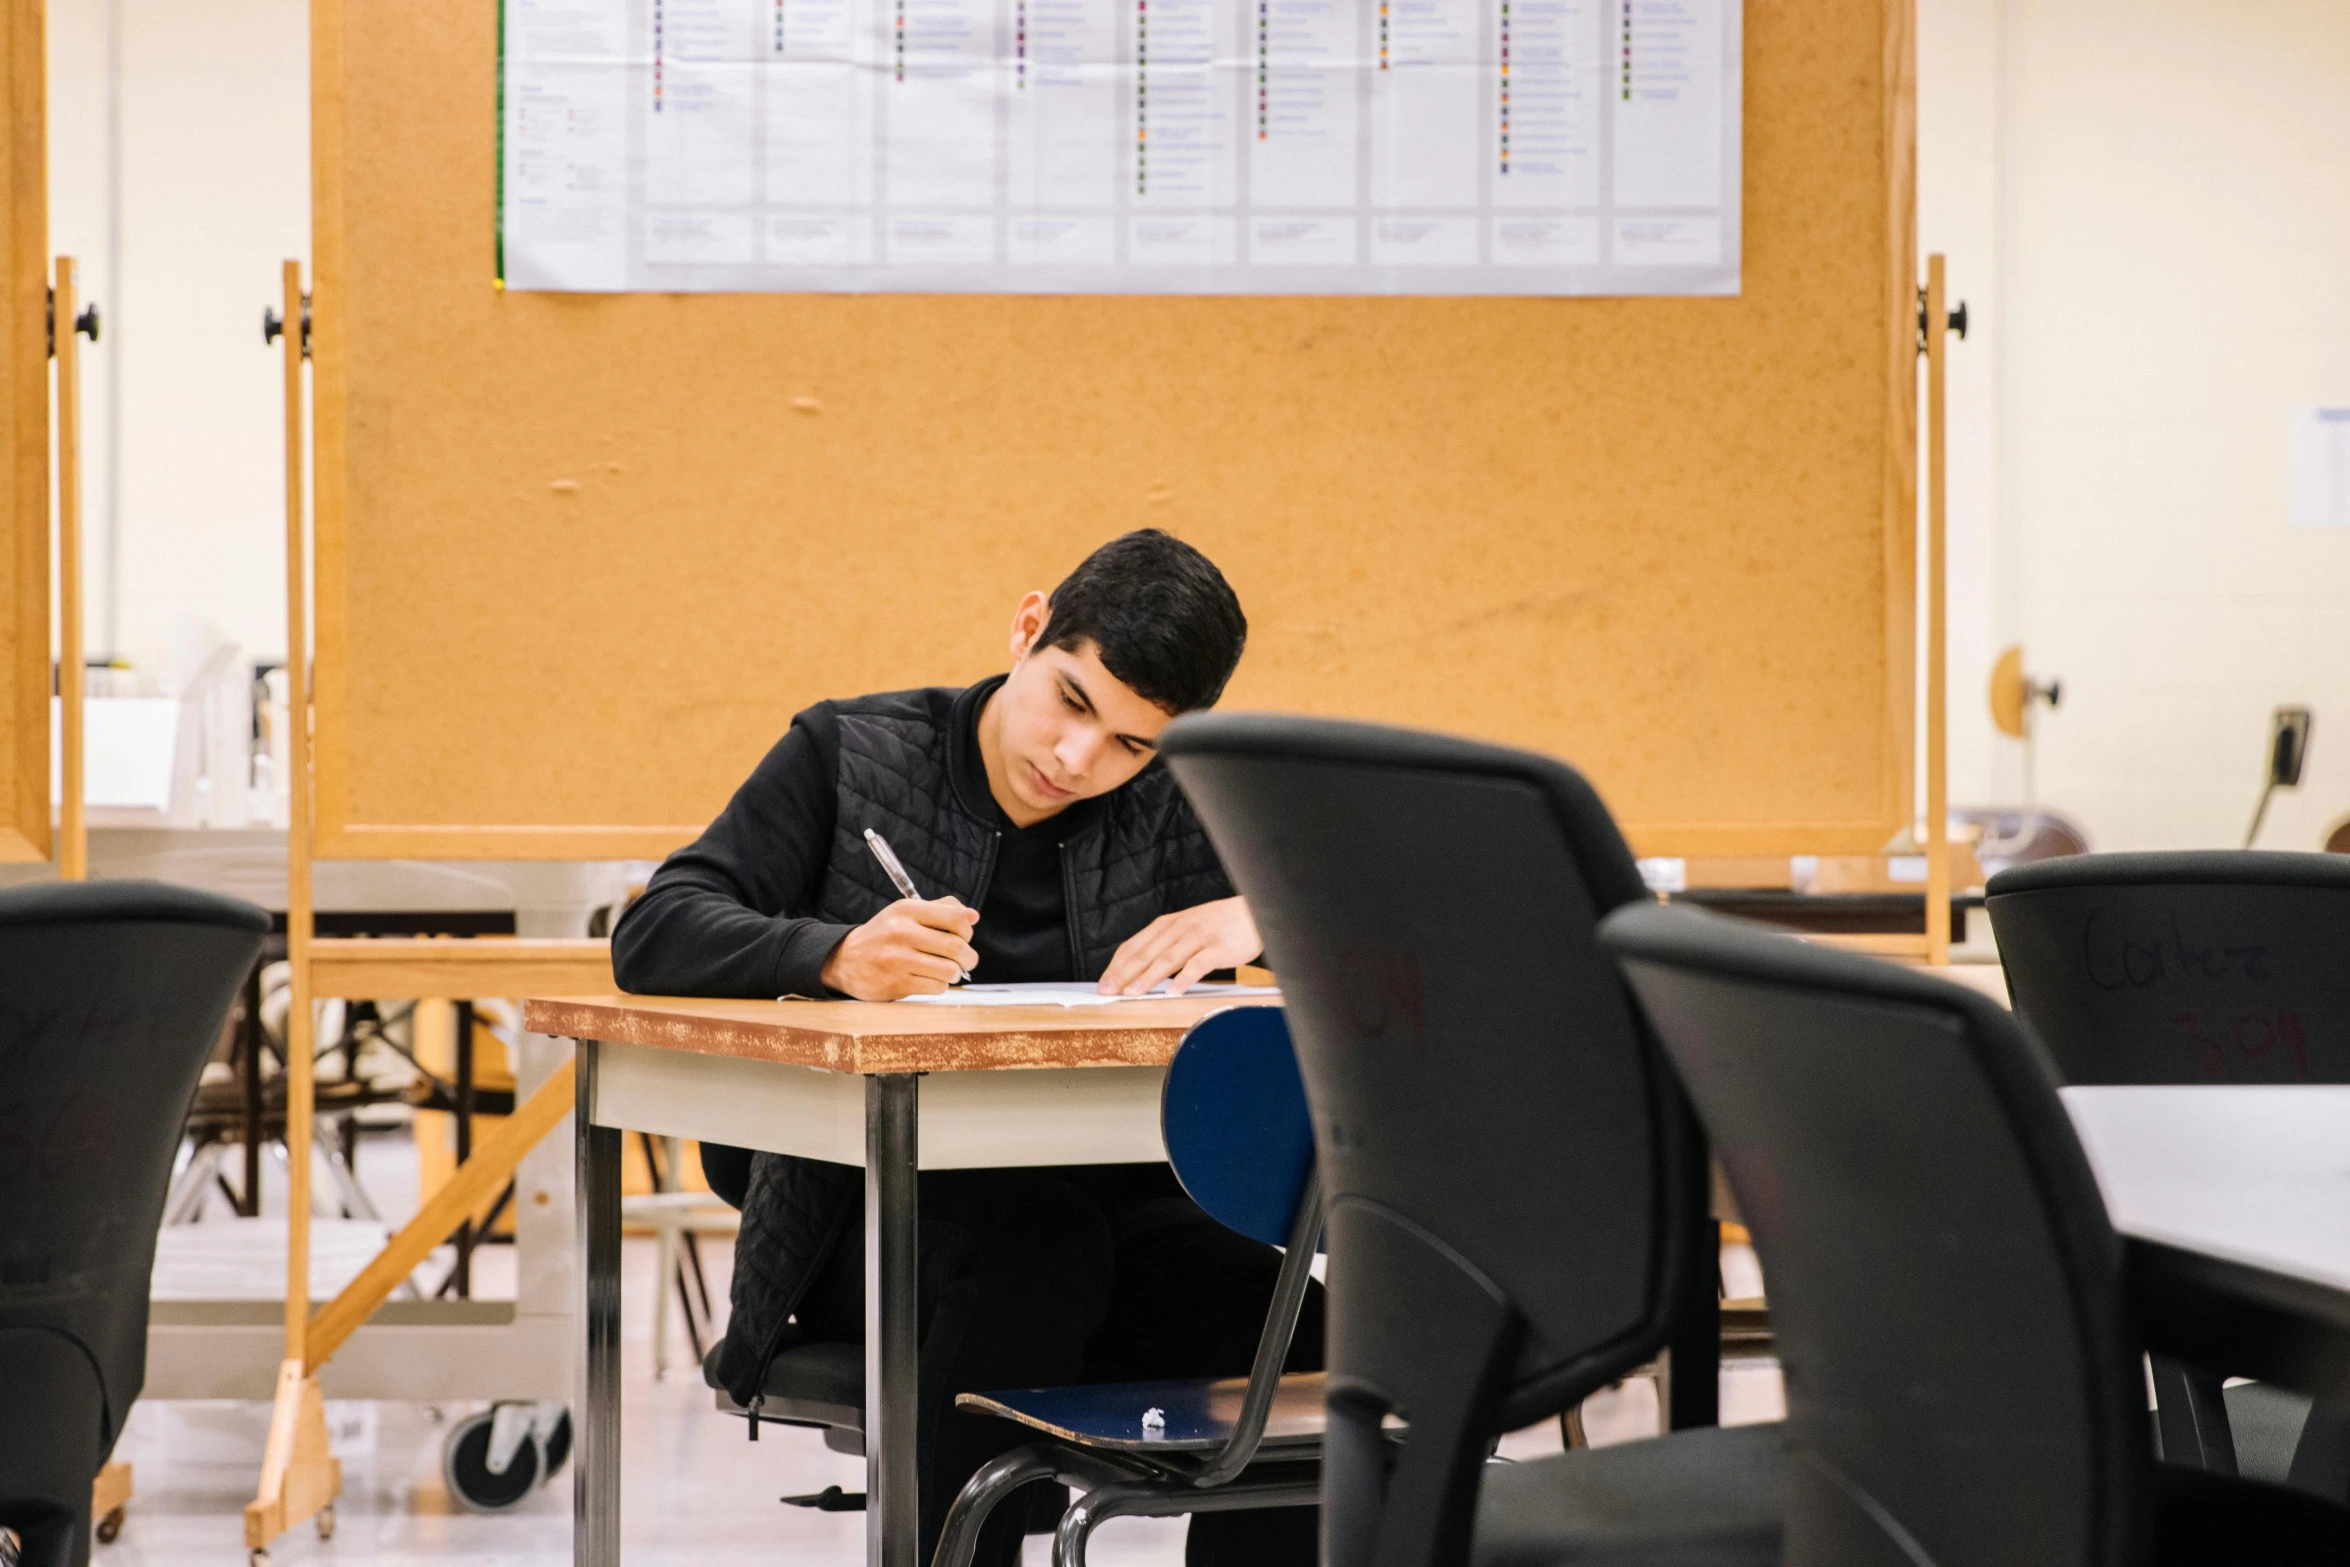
x,y
1134,855
1143,853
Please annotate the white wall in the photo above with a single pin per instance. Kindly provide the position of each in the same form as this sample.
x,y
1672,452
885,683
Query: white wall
x,y
81,143
210,194
1958,206
2149,203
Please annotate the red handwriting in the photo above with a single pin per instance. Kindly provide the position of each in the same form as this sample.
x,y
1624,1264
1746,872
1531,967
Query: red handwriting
x,y
2254,1034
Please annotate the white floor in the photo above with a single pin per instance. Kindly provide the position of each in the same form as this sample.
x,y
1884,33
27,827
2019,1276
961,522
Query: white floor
x,y
693,1490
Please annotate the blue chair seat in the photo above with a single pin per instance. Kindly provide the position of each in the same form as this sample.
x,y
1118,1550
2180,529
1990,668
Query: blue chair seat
x,y
1199,1414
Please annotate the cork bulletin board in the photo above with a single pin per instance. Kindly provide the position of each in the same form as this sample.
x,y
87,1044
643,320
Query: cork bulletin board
x,y
580,557
24,441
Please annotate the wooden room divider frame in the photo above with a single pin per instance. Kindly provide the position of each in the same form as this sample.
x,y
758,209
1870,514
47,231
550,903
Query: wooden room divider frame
x,y
580,557
24,440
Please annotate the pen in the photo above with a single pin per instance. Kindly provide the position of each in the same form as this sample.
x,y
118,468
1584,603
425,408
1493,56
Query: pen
x,y
896,873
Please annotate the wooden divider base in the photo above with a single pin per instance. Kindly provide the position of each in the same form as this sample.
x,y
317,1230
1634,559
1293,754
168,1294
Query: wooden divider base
x,y
408,968
477,1180
1878,944
300,1478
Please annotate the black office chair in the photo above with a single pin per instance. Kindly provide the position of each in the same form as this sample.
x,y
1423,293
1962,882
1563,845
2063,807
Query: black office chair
x,y
1962,1383
2226,966
112,994
1516,1192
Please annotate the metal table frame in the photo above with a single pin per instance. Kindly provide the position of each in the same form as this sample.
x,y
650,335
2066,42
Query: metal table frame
x,y
1095,1114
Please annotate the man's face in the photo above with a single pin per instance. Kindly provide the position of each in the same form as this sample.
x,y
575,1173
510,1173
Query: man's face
x,y
1068,729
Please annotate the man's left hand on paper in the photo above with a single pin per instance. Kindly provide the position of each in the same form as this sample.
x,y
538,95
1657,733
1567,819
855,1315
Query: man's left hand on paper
x,y
1183,947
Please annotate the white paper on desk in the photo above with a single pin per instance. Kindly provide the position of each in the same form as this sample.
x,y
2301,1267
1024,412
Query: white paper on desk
x,y
1062,994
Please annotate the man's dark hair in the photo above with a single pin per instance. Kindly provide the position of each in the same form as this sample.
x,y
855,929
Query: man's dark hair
x,y
1163,618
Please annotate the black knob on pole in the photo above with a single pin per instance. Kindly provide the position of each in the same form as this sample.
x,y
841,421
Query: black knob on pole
x,y
273,325
87,322
1958,321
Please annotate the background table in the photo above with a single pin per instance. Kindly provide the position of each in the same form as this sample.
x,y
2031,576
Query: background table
x,y
2235,1202
893,1088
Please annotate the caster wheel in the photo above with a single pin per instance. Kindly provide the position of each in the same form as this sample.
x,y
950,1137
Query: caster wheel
x,y
558,1447
109,1528
326,1522
465,1465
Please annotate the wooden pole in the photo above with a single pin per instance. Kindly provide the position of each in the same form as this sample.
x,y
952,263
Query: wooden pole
x,y
1937,653
299,1476
73,830
300,1044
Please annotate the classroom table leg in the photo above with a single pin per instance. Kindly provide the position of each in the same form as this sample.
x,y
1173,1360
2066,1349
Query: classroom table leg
x,y
892,1352
251,1042
461,1274
595,1468
1694,1382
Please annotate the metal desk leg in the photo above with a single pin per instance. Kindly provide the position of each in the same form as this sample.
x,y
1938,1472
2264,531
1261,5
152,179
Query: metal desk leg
x,y
251,1042
461,1273
1693,1384
595,1468
892,1354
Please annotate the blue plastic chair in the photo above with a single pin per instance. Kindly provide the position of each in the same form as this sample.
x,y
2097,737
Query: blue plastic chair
x,y
1241,1141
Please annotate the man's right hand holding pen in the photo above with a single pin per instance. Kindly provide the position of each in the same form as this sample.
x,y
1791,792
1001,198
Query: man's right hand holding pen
x,y
915,947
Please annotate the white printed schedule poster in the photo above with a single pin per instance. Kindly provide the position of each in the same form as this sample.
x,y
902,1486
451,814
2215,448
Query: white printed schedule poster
x,y
1121,146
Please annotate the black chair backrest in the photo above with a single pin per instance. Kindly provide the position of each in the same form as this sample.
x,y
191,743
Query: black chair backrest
x,y
1516,1191
2221,966
112,994
1946,1292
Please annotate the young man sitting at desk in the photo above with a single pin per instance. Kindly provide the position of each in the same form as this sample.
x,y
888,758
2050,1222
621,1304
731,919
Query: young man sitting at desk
x,y
1031,810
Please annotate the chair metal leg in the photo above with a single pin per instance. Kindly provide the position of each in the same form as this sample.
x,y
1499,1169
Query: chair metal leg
x,y
1000,1477
689,1282
250,1040
185,1202
995,1480
663,1274
345,1181
2191,1418
1293,1487
1571,1432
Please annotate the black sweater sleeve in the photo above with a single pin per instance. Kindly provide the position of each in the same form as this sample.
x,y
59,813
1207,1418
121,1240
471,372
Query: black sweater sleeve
x,y
727,915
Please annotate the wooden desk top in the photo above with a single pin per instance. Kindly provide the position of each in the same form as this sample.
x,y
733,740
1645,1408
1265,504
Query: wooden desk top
x,y
879,1036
